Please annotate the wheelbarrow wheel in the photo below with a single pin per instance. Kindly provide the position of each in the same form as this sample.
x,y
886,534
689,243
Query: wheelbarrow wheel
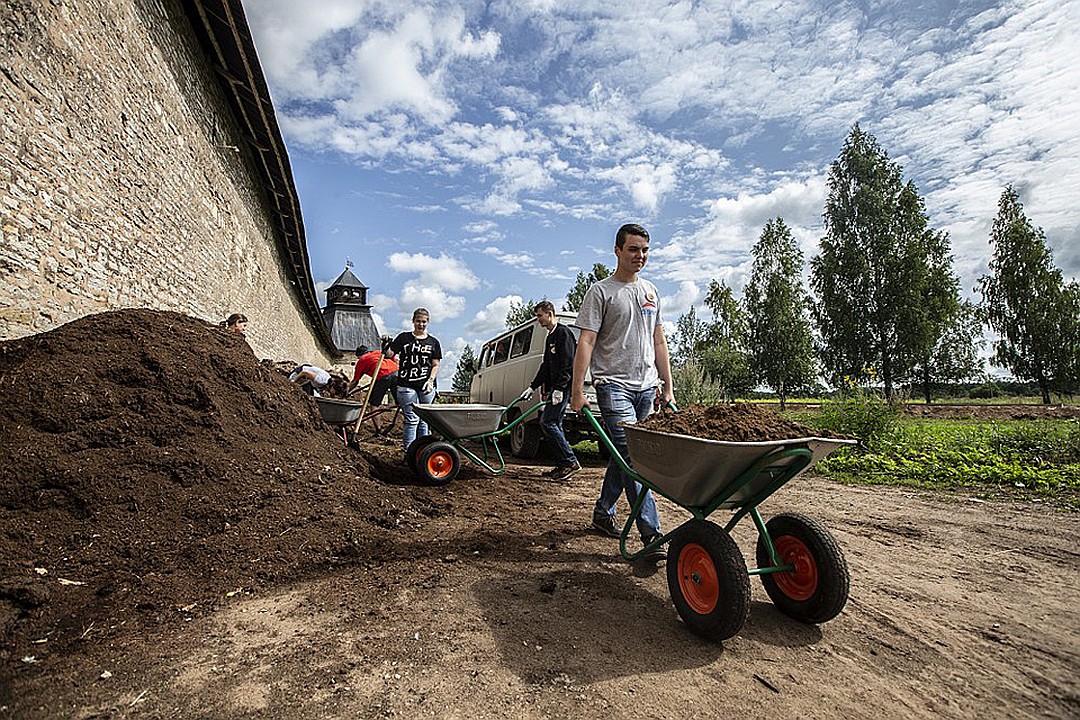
x,y
412,454
707,578
439,463
525,438
817,589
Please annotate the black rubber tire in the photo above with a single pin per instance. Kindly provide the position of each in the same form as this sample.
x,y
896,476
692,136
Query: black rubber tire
x,y
438,463
412,454
817,590
707,578
525,440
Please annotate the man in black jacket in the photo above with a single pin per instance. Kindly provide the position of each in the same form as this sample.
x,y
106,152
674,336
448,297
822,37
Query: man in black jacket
x,y
554,377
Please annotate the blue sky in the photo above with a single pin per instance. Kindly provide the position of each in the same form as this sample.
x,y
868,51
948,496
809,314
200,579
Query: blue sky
x,y
465,155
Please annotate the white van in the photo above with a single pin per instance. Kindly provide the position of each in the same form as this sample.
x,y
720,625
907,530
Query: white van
x,y
506,365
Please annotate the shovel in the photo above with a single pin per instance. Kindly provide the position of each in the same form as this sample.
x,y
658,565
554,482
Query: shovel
x,y
367,395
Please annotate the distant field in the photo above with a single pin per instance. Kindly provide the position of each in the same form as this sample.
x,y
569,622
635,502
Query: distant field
x,y
984,451
1010,400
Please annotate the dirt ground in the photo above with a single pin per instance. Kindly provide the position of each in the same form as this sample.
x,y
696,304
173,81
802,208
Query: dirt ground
x,y
181,536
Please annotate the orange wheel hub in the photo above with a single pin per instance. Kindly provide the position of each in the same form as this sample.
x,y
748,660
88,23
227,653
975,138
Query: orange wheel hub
x,y
439,464
698,580
803,581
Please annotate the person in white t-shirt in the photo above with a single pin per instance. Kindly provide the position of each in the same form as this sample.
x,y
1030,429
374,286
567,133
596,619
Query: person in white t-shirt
x,y
622,342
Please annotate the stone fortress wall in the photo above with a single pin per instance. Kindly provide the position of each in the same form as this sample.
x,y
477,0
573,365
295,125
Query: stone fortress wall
x,y
125,180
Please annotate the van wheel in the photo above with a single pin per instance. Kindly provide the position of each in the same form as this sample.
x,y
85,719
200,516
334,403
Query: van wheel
x,y
525,440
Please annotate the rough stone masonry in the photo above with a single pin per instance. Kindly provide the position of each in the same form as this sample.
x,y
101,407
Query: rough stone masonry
x,y
124,181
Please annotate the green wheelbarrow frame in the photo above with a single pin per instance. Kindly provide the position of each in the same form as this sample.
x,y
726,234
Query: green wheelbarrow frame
x,y
453,426
740,486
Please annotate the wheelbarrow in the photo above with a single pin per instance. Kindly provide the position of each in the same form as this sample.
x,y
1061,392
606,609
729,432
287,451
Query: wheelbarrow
x,y
344,416
799,562
460,429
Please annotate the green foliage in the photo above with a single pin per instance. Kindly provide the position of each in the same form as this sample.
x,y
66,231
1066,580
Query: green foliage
x,y
882,280
1042,456
466,368
954,355
859,410
583,282
693,385
985,391
778,331
689,334
520,313
717,348
1035,314
1038,442
723,353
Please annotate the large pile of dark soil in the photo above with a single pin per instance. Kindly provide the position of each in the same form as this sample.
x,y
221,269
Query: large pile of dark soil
x,y
737,422
151,467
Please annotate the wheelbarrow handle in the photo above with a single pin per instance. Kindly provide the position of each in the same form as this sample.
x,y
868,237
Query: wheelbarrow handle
x,y
519,419
613,452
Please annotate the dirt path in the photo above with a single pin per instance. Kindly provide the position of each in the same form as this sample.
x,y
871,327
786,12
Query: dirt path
x,y
496,602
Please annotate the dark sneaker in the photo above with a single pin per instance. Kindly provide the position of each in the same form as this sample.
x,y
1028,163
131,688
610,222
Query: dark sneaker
x,y
606,525
658,552
550,472
561,473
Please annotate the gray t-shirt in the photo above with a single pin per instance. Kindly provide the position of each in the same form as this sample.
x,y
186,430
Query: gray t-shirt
x,y
624,317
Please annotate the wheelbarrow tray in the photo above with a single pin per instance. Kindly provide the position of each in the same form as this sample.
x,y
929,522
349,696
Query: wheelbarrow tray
x,y
454,421
338,412
694,472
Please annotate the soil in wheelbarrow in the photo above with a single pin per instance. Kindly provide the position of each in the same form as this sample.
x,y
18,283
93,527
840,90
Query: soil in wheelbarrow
x,y
734,422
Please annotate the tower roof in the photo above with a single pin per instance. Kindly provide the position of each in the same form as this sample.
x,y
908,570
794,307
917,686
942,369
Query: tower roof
x,y
347,279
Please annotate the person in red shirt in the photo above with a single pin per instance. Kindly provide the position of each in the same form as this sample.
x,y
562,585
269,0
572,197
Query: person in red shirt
x,y
366,363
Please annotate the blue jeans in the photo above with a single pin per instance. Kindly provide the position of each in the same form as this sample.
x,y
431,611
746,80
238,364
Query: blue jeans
x,y
619,404
551,418
412,425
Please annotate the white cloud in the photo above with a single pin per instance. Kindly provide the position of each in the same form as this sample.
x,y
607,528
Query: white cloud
x,y
438,279
492,319
520,260
443,270
285,34
679,303
441,304
726,117
720,248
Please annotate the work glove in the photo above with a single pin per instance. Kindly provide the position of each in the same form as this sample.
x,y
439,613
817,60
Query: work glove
x,y
556,397
385,340
526,394
429,385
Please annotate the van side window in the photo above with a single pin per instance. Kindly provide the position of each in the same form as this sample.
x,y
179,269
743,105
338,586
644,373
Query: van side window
x,y
485,357
501,349
521,343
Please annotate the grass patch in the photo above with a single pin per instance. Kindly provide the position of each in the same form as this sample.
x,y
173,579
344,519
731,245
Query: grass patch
x,y
1036,457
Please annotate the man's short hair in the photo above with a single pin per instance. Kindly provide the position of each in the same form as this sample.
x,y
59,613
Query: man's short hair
x,y
544,306
627,230
361,350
